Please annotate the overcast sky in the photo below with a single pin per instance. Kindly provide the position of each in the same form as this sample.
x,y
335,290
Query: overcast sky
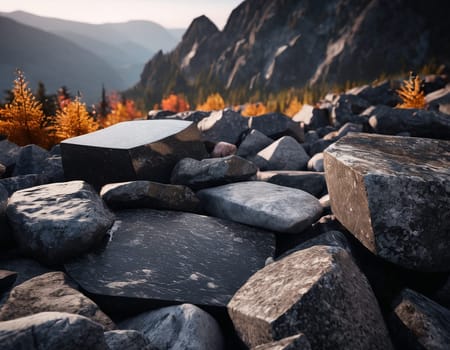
x,y
169,13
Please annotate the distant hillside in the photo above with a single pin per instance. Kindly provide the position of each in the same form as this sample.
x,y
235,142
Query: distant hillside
x,y
124,46
53,60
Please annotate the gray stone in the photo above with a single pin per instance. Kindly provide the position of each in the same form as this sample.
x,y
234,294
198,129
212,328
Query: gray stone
x,y
52,330
158,256
295,342
128,151
419,323
127,340
7,279
254,142
160,114
5,230
52,291
225,125
192,116
223,149
319,292
284,154
439,100
311,136
58,221
312,117
319,146
277,125
25,268
442,294
2,169
392,194
181,327
382,93
17,183
310,181
212,172
346,108
53,168
9,153
262,204
316,162
148,194
30,160
343,130
418,123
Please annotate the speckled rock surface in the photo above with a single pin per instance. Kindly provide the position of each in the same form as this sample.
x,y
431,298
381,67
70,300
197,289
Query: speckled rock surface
x,y
319,292
127,340
181,327
296,342
58,221
393,194
173,256
52,291
312,182
262,204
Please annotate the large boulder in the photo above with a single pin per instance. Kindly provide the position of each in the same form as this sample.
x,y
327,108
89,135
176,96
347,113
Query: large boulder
x,y
52,330
262,204
135,150
212,172
225,125
166,256
127,339
277,125
318,291
181,327
58,221
392,194
148,194
52,291
253,142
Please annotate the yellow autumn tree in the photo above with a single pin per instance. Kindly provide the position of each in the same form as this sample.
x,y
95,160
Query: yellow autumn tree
x,y
294,106
214,102
74,120
22,120
412,93
254,109
121,111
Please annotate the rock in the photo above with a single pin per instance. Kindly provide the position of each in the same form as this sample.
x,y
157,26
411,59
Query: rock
x,y
9,153
392,194
319,146
30,160
262,205
148,194
212,172
344,130
382,93
439,100
160,114
128,151
316,162
312,117
419,323
192,116
58,221
53,169
52,330
308,181
254,142
277,125
295,342
346,108
442,294
7,279
318,291
127,340
223,149
225,125
325,201
25,268
177,257
5,231
283,154
311,136
2,170
17,183
181,327
52,291
419,123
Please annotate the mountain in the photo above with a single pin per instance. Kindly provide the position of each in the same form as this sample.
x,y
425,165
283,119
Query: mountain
x,y
124,46
273,45
51,59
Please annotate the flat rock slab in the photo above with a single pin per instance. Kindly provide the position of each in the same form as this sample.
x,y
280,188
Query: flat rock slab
x,y
173,256
393,194
136,150
262,204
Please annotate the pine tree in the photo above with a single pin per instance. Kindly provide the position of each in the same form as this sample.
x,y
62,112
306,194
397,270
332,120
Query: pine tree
x,y
412,93
22,119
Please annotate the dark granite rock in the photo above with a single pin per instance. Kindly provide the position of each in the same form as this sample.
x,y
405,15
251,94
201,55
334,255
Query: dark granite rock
x,y
223,149
277,125
178,327
318,291
30,160
17,183
192,116
311,136
127,340
9,153
295,342
419,323
254,142
343,130
7,279
212,172
316,162
52,291
225,125
417,122
160,114
163,256
5,230
25,268
319,146
52,330
442,294
147,194
346,108
262,204
53,169
58,221
382,93
439,100
2,170
283,154
312,117
311,182
392,193
136,150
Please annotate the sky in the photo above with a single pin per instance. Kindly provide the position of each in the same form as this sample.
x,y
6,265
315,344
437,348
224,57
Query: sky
x,y
169,13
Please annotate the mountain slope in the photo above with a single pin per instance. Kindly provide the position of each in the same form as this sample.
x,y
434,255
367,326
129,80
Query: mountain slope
x,y
53,60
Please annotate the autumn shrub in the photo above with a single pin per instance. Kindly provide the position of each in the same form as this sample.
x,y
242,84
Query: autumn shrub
x,y
293,108
214,102
120,111
175,103
411,93
254,109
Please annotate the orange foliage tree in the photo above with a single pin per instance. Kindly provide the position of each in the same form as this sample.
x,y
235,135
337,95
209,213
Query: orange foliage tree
x,y
175,103
412,93
214,102
121,110
294,106
254,109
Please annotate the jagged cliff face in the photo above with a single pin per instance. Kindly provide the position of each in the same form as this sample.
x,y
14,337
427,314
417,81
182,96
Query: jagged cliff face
x,y
294,43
